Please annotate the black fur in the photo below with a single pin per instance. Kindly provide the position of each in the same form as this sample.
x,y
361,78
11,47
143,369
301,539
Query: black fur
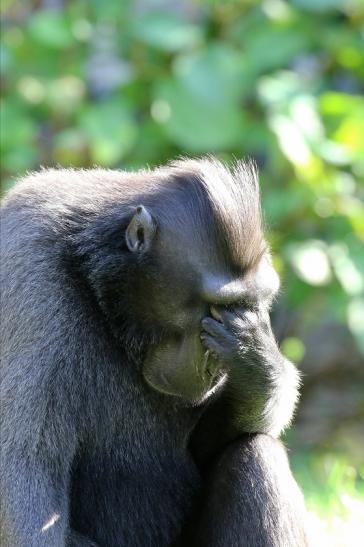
x,y
92,454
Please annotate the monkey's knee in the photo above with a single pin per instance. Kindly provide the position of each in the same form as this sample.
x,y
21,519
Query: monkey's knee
x,y
267,504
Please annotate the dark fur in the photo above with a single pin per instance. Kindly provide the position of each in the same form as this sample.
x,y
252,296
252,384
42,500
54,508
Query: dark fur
x,y
89,450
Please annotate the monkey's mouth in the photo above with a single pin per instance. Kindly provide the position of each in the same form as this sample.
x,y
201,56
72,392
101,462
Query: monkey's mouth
x,y
210,366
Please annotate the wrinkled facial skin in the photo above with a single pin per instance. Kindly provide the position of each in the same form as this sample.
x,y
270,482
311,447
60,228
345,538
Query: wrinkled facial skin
x,y
182,285
180,366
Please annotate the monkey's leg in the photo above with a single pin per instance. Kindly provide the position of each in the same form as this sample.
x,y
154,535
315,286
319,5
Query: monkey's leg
x,y
250,499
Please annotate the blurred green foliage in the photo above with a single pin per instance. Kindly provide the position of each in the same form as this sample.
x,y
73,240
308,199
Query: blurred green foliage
x,y
124,84
334,496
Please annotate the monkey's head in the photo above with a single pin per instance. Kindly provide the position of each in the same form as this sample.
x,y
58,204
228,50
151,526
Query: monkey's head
x,y
192,241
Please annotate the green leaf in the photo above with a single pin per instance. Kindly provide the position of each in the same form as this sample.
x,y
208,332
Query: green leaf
x,y
216,74
69,147
166,32
110,130
321,5
19,160
17,128
197,125
345,115
356,321
278,204
271,47
51,29
6,59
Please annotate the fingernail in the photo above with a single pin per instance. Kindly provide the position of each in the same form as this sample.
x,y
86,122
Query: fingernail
x,y
215,314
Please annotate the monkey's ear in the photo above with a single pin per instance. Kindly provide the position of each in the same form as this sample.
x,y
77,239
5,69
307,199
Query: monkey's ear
x,y
141,230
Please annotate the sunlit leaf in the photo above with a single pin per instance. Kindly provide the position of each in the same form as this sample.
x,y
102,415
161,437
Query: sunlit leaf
x,y
291,139
356,320
166,32
345,114
279,89
351,279
293,348
51,29
310,262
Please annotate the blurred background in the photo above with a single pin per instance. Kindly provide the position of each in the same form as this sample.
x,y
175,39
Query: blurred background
x,y
125,83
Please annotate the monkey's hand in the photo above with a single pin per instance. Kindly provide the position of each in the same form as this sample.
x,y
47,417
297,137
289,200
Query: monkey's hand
x,y
262,385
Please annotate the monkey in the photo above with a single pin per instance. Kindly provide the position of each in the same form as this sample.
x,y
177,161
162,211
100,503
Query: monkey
x,y
143,392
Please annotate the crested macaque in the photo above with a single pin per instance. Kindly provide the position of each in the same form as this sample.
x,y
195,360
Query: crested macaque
x,y
143,391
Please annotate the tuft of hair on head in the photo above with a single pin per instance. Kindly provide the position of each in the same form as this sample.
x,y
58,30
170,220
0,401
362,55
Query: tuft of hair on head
x,y
234,196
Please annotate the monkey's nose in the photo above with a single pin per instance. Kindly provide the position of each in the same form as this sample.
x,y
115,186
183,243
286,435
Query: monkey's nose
x,y
222,290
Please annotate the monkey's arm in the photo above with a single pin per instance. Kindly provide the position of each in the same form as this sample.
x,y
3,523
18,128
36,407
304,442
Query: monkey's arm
x,y
262,385
38,440
249,496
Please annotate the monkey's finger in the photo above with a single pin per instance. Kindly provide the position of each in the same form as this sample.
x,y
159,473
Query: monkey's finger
x,y
214,327
209,342
243,319
215,314
222,335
